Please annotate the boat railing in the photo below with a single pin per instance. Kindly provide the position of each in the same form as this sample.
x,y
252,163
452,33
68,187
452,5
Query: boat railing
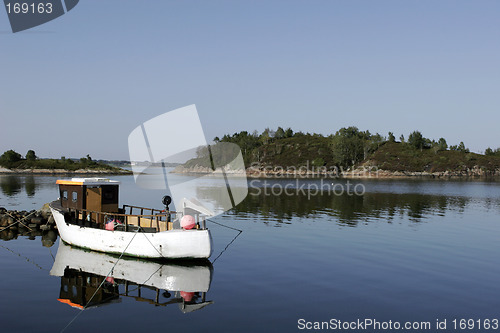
x,y
131,210
200,218
124,222
155,222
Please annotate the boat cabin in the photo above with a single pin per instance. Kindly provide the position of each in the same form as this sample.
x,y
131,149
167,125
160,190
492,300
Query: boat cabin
x,y
93,202
93,194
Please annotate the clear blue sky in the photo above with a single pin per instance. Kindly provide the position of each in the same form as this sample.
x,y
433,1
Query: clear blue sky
x,y
80,84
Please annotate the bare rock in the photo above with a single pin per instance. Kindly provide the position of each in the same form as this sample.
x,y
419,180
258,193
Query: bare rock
x,y
36,220
45,211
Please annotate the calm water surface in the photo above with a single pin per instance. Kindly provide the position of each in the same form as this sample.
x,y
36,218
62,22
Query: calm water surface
x,y
404,251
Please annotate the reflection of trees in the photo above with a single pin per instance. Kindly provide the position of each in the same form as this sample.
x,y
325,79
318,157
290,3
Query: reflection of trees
x,y
10,185
349,210
30,186
217,195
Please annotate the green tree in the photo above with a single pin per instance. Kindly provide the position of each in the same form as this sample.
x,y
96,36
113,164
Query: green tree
x,y
391,137
489,152
30,155
298,134
373,142
462,148
9,158
416,140
441,144
265,137
246,141
280,133
348,146
288,133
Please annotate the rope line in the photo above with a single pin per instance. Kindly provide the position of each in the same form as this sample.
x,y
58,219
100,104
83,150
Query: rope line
x,y
161,255
231,242
27,259
18,221
53,258
222,225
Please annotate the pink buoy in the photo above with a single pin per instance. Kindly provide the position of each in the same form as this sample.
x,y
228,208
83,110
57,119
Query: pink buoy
x,y
110,225
188,296
188,222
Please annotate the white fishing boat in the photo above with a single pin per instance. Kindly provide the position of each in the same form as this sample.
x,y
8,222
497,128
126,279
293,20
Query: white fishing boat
x,y
87,215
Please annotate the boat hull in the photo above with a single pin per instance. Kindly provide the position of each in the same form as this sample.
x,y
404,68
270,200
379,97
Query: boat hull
x,y
172,244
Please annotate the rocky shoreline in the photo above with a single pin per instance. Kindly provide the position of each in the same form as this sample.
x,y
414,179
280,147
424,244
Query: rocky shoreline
x,y
205,170
14,223
358,173
63,172
475,172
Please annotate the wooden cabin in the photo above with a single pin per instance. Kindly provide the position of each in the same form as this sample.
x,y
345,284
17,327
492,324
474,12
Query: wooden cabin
x,y
93,194
94,201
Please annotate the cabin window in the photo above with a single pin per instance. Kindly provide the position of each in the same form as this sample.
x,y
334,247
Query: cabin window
x,y
65,195
74,196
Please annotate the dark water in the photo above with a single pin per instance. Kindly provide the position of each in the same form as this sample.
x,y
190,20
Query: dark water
x,y
404,251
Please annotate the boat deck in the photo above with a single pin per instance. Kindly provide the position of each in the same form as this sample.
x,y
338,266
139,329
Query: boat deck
x,y
156,221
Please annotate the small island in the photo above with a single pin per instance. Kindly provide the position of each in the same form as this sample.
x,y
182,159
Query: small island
x,y
350,153
11,162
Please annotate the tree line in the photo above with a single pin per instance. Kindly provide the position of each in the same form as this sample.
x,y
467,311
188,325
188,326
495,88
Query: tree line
x,y
348,146
13,160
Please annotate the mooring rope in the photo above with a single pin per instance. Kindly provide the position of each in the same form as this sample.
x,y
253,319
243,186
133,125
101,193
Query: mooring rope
x,y
231,242
50,250
161,255
31,261
103,280
18,221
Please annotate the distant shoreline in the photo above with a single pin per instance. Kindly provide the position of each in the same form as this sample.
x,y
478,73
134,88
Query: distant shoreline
x,y
5,171
360,173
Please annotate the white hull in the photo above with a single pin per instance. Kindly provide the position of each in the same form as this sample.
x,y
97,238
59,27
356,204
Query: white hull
x,y
170,244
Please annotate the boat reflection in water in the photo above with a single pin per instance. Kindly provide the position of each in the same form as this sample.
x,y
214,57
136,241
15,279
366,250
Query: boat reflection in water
x,y
85,282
